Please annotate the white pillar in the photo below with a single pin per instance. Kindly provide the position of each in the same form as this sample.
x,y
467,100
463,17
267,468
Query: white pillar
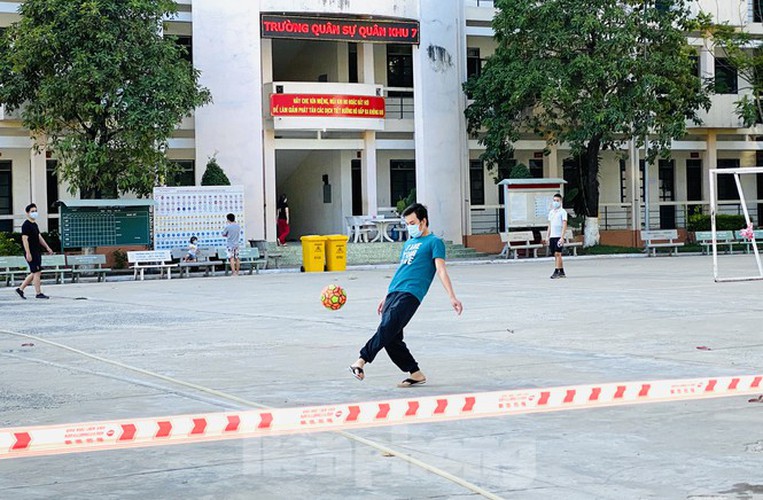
x,y
439,115
366,63
553,162
39,187
271,194
709,161
227,50
634,186
368,173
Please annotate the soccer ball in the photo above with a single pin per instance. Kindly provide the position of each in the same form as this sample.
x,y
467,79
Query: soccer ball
x,y
333,297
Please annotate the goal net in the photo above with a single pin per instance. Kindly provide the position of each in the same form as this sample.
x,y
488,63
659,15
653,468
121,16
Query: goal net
x,y
747,236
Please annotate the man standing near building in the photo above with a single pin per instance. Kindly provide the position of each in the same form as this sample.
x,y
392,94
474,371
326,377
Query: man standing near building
x,y
557,227
33,243
423,255
233,233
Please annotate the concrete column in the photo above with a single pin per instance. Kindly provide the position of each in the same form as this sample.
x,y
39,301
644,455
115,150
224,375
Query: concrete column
x,y
710,161
271,193
553,163
366,63
706,62
632,178
368,173
39,187
438,99
228,51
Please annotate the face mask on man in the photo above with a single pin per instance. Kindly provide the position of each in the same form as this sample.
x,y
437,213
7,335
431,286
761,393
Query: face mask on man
x,y
413,230
34,215
556,204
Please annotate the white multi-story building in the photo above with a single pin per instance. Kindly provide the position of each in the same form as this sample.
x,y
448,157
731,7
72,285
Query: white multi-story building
x,y
299,88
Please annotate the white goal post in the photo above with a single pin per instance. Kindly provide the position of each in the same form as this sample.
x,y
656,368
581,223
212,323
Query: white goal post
x,y
736,172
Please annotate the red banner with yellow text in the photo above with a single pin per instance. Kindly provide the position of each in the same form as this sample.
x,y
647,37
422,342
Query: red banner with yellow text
x,y
334,106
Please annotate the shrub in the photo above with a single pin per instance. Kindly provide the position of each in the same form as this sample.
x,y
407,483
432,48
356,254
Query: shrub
x,y
9,246
120,259
214,175
520,171
723,222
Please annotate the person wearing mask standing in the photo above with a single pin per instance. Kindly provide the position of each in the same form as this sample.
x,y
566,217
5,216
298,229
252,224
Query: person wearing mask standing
x,y
33,244
557,227
232,233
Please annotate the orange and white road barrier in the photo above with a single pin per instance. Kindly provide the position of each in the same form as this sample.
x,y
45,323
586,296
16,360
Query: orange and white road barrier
x,y
133,433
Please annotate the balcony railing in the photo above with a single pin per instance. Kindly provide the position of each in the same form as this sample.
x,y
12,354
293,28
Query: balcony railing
x,y
398,103
488,219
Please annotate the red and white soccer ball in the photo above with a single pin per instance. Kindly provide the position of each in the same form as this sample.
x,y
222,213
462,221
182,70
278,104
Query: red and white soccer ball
x,y
333,297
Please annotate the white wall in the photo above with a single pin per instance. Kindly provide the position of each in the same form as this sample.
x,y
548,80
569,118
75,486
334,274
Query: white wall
x,y
227,50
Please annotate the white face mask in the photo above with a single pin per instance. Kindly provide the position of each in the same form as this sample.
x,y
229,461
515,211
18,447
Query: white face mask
x,y
34,215
413,230
556,204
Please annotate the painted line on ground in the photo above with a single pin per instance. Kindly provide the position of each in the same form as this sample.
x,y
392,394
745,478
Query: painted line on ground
x,y
22,442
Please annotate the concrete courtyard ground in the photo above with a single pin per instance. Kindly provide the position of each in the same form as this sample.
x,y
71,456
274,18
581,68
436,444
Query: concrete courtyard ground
x,y
268,340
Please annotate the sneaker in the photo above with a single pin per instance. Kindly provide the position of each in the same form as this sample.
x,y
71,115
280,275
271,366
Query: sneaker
x,y
21,293
555,275
41,296
561,275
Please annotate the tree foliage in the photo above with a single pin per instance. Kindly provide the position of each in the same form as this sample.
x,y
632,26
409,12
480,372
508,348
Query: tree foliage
x,y
99,86
589,73
214,174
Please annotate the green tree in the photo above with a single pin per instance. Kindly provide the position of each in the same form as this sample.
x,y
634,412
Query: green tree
x,y
520,171
99,86
589,73
214,174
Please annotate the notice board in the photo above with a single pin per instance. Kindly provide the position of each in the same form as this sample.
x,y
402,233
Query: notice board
x,y
527,202
95,223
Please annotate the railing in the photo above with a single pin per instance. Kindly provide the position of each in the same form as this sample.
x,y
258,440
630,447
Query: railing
x,y
12,223
487,219
480,3
398,103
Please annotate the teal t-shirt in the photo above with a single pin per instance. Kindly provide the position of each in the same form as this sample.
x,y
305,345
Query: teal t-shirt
x,y
417,268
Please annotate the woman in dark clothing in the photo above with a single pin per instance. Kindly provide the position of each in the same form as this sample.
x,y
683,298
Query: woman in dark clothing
x,y
283,220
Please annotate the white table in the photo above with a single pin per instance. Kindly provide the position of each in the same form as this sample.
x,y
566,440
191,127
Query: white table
x,y
383,225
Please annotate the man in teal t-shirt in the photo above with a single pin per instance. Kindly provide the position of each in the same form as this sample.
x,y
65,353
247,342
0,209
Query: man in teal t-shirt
x,y
422,257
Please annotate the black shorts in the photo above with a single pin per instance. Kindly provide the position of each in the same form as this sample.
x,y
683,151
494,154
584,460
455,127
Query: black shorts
x,y
35,265
554,246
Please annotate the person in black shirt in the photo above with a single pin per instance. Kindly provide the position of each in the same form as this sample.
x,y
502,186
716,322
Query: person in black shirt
x,y
33,243
283,220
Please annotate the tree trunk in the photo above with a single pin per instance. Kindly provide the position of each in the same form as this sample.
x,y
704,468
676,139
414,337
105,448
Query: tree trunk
x,y
591,234
590,188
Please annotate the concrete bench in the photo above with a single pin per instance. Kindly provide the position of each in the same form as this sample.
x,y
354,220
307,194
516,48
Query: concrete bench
x,y
249,257
150,259
55,265
569,241
87,264
664,238
519,240
722,238
12,266
202,261
747,244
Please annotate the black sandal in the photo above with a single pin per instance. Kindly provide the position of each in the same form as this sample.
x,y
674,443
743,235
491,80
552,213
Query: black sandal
x,y
357,372
409,382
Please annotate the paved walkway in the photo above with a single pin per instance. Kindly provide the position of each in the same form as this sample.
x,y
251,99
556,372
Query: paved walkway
x,y
267,339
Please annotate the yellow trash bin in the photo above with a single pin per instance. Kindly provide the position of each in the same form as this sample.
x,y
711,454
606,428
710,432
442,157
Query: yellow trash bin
x,y
313,253
336,252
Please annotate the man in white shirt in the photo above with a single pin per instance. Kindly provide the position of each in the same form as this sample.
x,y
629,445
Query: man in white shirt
x,y
557,226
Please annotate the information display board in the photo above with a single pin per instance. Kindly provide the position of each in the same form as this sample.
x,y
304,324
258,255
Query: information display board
x,y
95,223
528,201
182,212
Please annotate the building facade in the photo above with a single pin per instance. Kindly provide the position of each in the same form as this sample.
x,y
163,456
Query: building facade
x,y
346,106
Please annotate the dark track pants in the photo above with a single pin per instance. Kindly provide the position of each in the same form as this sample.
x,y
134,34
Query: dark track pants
x,y
399,308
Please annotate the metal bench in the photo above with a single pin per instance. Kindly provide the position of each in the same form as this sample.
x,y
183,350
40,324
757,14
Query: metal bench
x,y
747,244
150,259
569,241
664,238
202,261
248,256
705,238
11,266
55,265
87,264
519,240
